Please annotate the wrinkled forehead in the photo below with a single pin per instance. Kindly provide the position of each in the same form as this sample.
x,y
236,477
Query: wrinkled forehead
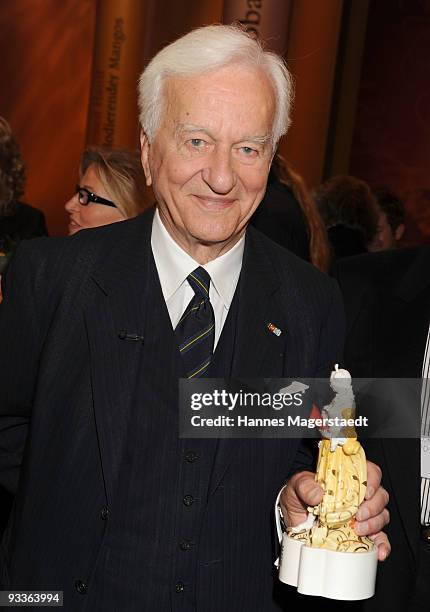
x,y
233,92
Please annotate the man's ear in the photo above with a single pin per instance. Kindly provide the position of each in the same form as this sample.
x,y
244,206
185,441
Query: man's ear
x,y
144,156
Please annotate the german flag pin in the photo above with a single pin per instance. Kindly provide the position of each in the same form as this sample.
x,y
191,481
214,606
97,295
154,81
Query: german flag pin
x,y
275,330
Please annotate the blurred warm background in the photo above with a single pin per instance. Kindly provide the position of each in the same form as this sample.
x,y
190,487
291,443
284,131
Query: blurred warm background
x,y
68,78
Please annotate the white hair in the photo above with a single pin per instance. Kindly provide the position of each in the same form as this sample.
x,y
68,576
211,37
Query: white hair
x,y
206,49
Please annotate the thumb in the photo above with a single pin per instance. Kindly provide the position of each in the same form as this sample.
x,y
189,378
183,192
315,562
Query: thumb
x,y
300,492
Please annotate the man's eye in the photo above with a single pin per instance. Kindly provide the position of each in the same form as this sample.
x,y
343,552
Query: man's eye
x,y
249,151
197,143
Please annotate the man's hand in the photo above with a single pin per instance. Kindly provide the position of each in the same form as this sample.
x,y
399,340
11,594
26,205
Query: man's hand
x,y
302,491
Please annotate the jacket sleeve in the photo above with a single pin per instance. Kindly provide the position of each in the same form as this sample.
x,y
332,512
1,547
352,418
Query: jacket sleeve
x,y
22,323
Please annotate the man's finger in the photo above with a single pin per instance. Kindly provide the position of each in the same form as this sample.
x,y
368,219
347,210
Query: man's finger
x,y
374,475
373,506
383,544
302,491
308,491
373,525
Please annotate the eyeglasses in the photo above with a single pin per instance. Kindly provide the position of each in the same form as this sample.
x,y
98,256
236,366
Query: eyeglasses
x,y
85,197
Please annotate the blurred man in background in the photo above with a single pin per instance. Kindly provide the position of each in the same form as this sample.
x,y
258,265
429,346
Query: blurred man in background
x,y
391,221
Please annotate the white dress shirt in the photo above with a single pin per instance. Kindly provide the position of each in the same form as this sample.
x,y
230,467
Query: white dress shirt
x,y
174,265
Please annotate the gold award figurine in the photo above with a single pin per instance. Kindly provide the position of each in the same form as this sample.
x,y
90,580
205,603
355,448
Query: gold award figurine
x,y
324,556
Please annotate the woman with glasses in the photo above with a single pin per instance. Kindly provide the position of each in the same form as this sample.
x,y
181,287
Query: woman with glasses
x,y
111,188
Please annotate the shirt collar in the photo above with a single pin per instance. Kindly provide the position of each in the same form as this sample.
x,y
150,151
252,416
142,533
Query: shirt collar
x,y
225,270
174,264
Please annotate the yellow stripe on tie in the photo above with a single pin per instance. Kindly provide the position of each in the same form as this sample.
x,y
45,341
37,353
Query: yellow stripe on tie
x,y
198,338
199,281
190,310
200,369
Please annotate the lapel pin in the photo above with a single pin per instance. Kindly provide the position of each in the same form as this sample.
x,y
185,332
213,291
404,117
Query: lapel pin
x,y
275,330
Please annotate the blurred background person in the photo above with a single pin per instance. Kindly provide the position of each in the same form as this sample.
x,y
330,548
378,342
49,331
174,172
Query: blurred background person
x,y
288,215
418,213
18,221
387,306
391,221
111,188
350,214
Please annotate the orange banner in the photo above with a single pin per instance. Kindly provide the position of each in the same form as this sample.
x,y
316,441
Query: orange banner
x,y
267,19
117,63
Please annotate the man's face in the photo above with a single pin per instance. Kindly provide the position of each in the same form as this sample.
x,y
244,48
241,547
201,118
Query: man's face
x,y
386,238
211,155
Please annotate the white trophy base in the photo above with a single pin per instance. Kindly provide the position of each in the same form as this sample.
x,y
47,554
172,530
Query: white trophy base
x,y
327,573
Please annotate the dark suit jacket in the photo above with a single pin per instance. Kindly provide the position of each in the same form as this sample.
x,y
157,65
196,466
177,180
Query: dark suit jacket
x,y
387,302
65,381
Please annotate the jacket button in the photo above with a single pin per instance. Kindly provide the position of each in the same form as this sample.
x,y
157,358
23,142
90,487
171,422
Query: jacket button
x,y
81,587
188,500
104,513
191,456
185,545
179,587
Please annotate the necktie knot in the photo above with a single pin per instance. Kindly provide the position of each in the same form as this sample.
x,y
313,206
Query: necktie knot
x,y
200,282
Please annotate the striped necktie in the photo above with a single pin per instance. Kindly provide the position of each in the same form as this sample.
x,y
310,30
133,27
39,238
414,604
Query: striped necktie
x,y
195,331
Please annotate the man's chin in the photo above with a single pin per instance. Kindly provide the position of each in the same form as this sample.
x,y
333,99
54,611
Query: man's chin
x,y
215,231
212,238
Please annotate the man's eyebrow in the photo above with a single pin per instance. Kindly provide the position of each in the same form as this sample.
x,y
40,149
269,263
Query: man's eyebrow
x,y
256,138
259,139
190,127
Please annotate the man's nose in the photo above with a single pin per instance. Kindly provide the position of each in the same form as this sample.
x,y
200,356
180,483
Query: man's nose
x,y
219,174
72,204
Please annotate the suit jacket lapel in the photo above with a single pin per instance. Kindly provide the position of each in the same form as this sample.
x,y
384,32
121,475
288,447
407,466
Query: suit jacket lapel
x,y
258,351
115,323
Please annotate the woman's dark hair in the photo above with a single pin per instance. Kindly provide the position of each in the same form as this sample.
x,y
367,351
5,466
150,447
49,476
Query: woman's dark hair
x,y
319,248
348,202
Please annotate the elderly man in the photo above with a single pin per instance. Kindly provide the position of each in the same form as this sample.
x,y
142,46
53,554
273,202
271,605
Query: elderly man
x,y
111,506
